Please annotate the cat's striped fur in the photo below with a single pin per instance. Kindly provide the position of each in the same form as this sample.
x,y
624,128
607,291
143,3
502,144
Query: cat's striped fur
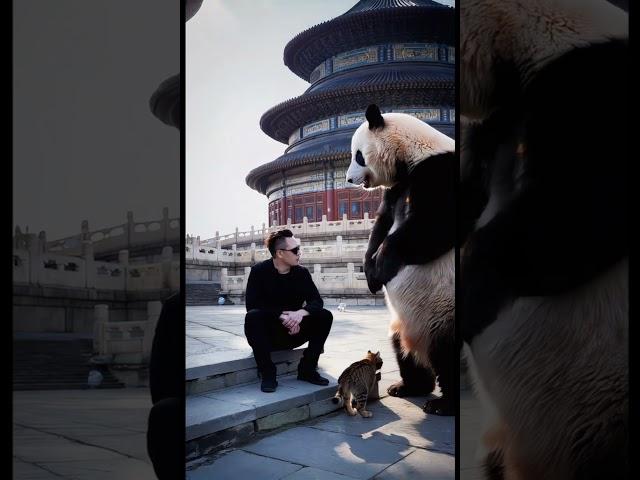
x,y
356,382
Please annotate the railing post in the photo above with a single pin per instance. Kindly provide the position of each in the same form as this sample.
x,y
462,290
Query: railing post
x,y
245,279
100,319
123,258
224,279
167,258
35,263
89,264
153,313
339,246
350,270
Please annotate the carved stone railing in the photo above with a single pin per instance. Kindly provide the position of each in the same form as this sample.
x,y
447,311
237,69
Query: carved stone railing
x,y
327,282
119,237
35,267
125,342
336,252
302,230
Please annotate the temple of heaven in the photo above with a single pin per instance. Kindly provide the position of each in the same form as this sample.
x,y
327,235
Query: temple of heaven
x,y
398,54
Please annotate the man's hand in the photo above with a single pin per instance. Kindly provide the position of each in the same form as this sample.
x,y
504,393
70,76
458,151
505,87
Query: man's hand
x,y
291,320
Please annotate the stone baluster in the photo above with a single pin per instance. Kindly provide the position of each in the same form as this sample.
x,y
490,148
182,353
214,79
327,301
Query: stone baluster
x,y
350,275
345,222
100,319
339,246
89,264
36,265
153,313
323,226
245,279
317,269
167,258
224,279
123,258
253,253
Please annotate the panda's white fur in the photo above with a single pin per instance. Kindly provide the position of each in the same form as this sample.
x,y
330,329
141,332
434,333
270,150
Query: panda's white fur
x,y
404,138
527,34
551,372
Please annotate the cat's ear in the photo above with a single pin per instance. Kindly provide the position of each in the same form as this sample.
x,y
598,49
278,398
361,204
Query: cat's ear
x,y
368,351
378,353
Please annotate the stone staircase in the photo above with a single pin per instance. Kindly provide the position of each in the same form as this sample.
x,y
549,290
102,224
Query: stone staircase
x,y
55,362
225,405
202,293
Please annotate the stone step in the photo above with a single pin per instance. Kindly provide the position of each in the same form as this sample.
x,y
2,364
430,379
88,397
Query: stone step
x,y
237,371
201,294
222,418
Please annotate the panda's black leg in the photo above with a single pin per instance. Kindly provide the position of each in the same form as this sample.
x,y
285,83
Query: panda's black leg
x,y
416,380
443,359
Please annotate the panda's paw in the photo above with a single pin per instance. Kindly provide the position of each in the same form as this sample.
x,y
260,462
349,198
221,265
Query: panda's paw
x,y
399,389
387,266
373,283
439,406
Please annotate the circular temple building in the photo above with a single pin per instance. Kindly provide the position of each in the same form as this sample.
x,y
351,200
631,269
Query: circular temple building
x,y
398,54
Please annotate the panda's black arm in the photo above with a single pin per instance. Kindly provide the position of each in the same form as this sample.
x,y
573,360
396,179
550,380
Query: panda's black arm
x,y
429,229
384,221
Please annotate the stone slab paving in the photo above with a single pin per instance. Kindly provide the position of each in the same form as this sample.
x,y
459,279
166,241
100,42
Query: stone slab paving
x,y
81,434
335,452
399,440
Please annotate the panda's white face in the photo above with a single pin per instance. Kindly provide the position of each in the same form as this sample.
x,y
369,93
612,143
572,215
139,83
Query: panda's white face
x,y
363,147
375,152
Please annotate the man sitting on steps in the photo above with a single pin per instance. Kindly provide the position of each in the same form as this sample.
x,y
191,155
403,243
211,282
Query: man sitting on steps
x,y
284,310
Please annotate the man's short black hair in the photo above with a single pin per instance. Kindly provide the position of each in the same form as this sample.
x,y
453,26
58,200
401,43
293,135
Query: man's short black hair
x,y
275,239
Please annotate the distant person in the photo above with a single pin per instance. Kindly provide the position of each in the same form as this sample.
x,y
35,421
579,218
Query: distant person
x,y
284,310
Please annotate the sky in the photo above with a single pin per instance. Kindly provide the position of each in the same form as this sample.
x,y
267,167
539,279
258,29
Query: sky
x,y
235,73
85,143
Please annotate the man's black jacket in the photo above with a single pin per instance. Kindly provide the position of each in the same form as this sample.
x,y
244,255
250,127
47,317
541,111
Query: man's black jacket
x,y
275,292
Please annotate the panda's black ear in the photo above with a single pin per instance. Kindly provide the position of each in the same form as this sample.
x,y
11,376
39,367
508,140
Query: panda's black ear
x,y
374,117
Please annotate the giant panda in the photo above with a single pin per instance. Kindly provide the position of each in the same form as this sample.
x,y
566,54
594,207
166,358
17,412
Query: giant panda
x,y
543,304
410,250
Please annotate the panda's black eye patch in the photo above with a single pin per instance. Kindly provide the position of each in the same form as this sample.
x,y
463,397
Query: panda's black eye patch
x,y
360,159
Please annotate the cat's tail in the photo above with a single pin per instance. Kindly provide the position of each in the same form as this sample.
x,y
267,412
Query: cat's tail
x,y
337,399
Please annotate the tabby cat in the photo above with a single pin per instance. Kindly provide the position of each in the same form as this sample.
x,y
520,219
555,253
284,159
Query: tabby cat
x,y
356,382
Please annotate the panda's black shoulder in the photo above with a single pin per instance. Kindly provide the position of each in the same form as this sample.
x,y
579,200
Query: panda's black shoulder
x,y
433,169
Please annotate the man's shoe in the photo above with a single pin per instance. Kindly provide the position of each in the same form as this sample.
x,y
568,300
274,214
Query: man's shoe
x,y
268,385
312,377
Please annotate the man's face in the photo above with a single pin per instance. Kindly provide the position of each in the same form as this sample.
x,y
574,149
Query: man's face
x,y
285,253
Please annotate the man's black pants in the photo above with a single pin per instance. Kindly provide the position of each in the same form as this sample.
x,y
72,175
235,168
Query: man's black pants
x,y
265,333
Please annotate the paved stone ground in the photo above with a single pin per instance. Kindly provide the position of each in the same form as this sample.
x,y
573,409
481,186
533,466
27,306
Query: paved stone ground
x,y
81,434
400,441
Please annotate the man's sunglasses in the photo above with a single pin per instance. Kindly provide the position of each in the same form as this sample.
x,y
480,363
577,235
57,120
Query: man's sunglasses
x,y
294,250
